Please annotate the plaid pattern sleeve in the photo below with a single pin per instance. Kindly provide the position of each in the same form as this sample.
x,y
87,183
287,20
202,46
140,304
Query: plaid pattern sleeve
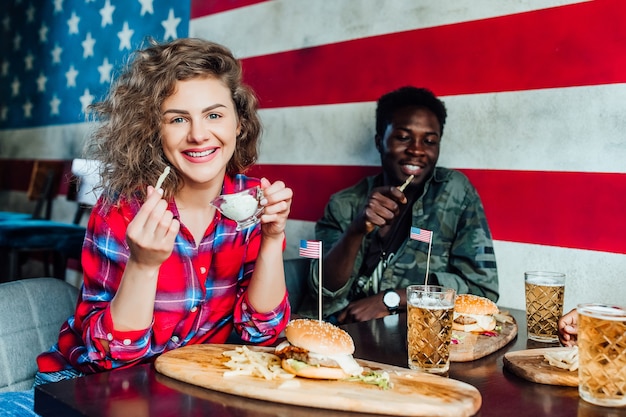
x,y
201,295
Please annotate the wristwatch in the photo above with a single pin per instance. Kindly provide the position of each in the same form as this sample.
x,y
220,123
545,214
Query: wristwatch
x,y
391,300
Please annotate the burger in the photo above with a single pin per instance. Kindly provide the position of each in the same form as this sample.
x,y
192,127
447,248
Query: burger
x,y
473,313
317,349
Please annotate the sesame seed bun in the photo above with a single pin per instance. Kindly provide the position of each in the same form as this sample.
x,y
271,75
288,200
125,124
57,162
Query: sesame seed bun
x,y
319,337
473,313
474,304
314,372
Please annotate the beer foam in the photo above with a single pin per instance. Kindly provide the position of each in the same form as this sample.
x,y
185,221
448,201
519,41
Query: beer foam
x,y
603,311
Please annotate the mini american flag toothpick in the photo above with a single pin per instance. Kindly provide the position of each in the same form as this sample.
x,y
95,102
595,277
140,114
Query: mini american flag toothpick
x,y
313,249
423,235
310,248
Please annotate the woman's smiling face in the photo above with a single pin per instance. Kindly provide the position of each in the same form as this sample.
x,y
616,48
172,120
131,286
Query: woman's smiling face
x,y
199,129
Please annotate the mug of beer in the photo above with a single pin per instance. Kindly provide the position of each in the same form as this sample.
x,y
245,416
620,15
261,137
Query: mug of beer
x,y
544,304
602,354
430,309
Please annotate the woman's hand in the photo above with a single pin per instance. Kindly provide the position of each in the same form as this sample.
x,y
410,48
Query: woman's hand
x,y
151,234
277,201
568,328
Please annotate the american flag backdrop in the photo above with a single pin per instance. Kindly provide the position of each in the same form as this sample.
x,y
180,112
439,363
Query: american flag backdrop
x,y
535,92
536,97
59,56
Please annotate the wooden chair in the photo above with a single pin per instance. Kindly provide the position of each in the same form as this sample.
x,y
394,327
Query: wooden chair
x,y
58,240
43,188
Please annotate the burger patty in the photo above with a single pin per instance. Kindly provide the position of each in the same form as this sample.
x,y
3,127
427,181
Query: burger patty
x,y
465,320
302,355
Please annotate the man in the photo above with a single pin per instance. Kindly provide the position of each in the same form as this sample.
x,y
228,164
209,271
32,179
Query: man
x,y
369,258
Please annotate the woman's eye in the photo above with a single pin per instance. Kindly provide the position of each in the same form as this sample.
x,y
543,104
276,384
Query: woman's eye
x,y
178,120
213,116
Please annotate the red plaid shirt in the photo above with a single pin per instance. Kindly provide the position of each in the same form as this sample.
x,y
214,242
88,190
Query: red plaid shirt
x,y
201,294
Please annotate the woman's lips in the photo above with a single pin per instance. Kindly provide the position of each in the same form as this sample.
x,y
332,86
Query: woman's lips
x,y
198,156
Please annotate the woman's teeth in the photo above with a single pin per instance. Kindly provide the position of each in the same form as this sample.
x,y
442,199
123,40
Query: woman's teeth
x,y
200,154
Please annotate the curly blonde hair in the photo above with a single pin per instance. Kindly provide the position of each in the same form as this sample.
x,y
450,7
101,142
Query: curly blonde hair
x,y
127,139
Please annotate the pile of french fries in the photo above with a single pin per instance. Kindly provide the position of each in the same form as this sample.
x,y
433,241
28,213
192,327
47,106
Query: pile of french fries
x,y
564,359
244,361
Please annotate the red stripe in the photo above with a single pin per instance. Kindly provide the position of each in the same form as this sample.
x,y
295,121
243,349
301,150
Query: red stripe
x,y
201,8
566,209
580,44
15,175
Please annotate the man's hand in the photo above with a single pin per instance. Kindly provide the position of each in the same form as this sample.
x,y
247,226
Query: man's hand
x,y
568,328
364,309
383,205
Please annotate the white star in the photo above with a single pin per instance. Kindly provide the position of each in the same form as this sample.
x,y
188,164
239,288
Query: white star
x,y
55,103
170,26
89,1
71,76
58,6
73,23
41,82
5,68
17,41
88,44
43,33
56,54
15,87
28,107
4,111
6,22
146,6
86,99
105,71
30,14
28,61
107,14
124,36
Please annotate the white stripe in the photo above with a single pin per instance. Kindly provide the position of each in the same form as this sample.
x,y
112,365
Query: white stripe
x,y
283,25
590,276
50,142
576,129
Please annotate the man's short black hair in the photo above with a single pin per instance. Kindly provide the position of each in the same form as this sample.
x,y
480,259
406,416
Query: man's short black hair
x,y
407,96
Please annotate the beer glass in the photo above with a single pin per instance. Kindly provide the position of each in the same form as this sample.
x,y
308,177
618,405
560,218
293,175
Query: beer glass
x,y
430,311
544,304
602,354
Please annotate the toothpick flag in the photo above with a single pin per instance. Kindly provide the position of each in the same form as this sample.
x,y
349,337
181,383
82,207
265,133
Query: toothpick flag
x,y
313,249
423,236
310,248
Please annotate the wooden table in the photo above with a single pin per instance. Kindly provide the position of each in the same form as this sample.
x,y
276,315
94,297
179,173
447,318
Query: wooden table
x,y
141,391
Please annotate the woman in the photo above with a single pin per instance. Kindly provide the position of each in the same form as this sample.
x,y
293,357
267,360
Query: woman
x,y
163,268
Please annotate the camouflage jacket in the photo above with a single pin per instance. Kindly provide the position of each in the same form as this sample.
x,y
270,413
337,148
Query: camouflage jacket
x,y
462,254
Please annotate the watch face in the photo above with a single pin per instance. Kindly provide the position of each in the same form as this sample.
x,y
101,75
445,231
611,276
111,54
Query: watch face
x,y
391,299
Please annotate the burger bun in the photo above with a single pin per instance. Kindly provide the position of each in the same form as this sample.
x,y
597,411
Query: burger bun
x,y
314,372
473,313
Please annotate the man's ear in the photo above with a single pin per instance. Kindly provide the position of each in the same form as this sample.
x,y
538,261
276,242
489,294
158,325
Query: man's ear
x,y
378,141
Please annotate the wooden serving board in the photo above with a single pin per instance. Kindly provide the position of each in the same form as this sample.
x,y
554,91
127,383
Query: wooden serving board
x,y
530,365
412,394
474,346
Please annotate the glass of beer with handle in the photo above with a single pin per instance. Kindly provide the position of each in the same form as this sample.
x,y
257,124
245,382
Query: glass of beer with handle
x,y
602,354
430,309
544,304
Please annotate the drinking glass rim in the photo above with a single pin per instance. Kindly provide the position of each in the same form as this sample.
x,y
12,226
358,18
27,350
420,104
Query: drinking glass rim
x,y
602,311
429,288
